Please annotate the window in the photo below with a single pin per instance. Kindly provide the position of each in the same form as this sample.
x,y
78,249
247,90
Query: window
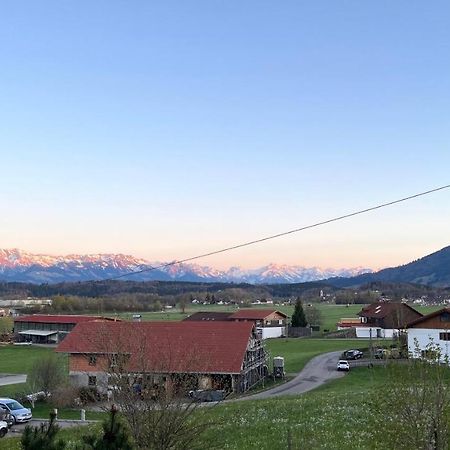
x,y
280,322
444,336
445,317
92,380
113,362
92,360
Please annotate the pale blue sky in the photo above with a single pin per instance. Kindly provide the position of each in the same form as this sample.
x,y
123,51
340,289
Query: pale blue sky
x,y
165,129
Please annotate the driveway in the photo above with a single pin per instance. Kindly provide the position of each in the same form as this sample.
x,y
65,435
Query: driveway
x,y
17,429
6,379
316,372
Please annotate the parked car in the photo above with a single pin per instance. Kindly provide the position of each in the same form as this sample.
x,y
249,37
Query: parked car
x,y
207,395
5,416
381,353
18,412
3,428
343,365
353,354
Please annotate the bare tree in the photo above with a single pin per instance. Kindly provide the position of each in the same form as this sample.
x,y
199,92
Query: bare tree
x,y
417,402
144,377
48,374
313,315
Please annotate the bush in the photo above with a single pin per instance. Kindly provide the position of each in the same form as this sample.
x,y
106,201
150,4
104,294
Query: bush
x,y
64,397
89,395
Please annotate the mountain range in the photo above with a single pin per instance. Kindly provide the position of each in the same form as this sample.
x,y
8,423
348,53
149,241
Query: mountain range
x,y
17,265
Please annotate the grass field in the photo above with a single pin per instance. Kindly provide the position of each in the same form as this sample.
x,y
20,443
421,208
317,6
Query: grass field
x,y
19,359
16,359
331,314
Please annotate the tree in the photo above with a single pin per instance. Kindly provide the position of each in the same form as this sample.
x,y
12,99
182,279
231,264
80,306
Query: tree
x,y
116,435
151,400
6,325
417,402
313,315
42,437
48,373
298,318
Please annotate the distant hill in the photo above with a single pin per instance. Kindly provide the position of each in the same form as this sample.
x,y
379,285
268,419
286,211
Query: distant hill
x,y
431,270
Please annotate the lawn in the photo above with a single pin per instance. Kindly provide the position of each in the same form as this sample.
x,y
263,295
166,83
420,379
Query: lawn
x,y
15,359
297,352
20,359
331,314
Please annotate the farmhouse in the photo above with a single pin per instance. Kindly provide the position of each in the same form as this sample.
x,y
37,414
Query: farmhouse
x,y
213,355
381,320
48,329
268,322
432,329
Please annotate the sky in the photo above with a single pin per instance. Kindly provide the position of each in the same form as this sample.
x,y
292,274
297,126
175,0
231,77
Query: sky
x,y
165,129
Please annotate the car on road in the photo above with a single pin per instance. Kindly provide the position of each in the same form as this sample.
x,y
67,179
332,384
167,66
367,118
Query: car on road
x,y
343,365
5,416
18,412
353,354
207,395
3,428
381,353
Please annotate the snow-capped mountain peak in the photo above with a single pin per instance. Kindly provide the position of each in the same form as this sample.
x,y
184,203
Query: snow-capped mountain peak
x,y
17,265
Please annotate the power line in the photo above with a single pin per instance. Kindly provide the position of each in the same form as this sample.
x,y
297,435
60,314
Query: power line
x,y
275,236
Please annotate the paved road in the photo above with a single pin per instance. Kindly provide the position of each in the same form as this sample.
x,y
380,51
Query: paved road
x,y
17,430
318,371
6,379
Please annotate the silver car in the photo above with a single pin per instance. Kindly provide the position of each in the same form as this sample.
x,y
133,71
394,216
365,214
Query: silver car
x,y
18,412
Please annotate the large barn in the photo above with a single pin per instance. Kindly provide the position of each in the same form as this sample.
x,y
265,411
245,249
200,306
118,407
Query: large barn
x,y
47,328
214,355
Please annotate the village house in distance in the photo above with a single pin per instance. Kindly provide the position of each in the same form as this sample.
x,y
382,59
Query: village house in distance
x,y
269,323
210,355
381,320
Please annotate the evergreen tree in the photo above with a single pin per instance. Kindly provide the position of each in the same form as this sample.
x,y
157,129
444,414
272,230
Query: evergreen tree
x,y
298,318
116,435
42,437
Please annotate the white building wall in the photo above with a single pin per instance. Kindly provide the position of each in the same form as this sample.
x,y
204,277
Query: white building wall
x,y
272,332
375,332
419,338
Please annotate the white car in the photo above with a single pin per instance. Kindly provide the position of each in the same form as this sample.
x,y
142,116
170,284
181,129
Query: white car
x,y
343,365
3,428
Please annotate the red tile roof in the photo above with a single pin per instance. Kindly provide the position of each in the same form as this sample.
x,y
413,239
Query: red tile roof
x,y
43,318
166,347
254,314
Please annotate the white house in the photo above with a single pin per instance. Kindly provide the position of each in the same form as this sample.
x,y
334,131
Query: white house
x,y
432,329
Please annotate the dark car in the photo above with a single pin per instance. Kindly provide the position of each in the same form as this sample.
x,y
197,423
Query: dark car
x,y
353,354
207,395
